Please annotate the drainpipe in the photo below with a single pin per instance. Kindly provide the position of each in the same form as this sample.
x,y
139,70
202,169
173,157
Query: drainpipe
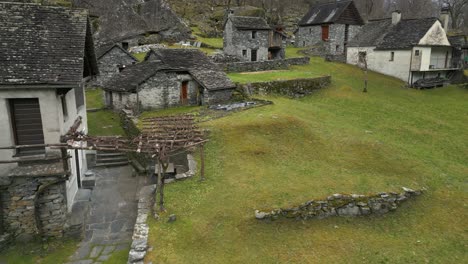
x,y
410,75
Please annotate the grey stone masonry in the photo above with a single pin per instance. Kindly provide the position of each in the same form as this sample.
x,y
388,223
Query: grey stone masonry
x,y
110,63
34,205
342,205
282,64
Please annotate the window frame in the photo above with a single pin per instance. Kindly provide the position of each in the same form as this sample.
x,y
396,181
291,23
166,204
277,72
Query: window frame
x,y
392,56
254,34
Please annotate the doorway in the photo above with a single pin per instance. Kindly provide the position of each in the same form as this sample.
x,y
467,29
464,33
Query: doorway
x,y
184,93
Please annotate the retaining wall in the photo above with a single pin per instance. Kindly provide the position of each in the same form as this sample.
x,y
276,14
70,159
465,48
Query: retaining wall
x,y
269,65
342,205
291,88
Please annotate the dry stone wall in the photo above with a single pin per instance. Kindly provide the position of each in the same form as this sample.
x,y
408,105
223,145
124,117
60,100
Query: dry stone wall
x,y
263,65
291,88
342,205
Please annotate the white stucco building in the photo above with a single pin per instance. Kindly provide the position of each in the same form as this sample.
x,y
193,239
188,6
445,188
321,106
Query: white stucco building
x,y
408,49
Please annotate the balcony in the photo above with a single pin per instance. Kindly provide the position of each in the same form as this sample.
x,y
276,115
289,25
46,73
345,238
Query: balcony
x,y
444,63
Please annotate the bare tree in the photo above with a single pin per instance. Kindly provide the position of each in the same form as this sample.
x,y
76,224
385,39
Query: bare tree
x,y
458,11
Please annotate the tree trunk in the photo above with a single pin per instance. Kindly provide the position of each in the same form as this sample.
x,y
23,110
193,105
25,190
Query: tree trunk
x,y
164,166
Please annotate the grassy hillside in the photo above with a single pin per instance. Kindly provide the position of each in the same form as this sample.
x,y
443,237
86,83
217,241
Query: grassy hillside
x,y
337,140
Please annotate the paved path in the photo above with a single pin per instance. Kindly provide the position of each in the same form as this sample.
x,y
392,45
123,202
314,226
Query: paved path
x,y
109,225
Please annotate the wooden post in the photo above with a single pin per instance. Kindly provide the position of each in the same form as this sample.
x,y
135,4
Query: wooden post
x,y
161,188
365,75
202,161
66,168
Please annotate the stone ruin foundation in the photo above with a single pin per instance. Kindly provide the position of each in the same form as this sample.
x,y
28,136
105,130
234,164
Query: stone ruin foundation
x,y
342,205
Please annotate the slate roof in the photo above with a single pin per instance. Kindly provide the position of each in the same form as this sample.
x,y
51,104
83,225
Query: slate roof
x,y
133,75
460,41
198,64
407,33
248,23
372,33
44,44
103,50
382,34
327,13
192,61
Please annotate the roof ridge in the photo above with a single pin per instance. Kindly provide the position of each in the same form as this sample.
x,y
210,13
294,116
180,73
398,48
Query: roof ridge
x,y
44,6
333,2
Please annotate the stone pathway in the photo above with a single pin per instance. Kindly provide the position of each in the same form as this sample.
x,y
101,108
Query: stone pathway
x,y
109,225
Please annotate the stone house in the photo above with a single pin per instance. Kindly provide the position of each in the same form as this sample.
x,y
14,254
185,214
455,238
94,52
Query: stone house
x,y
408,49
46,54
112,60
460,49
169,77
252,39
330,27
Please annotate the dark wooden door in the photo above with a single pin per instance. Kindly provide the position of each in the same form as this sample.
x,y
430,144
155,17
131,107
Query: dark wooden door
x,y
253,56
27,125
184,93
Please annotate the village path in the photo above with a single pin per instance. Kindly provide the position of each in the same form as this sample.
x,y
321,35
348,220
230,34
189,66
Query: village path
x,y
112,216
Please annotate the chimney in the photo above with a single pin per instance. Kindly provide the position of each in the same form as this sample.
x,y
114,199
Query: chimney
x,y
396,17
445,17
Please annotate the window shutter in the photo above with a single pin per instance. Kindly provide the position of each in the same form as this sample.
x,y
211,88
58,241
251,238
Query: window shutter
x,y
27,124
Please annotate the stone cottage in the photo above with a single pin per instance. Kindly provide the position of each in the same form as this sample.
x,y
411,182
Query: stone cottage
x,y
408,49
252,39
329,27
46,54
169,77
112,59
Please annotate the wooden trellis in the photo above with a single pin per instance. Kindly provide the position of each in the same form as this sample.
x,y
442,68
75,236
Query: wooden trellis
x,y
161,138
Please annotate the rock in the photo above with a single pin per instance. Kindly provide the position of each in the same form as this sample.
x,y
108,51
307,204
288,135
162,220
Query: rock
x,y
408,190
260,215
172,218
156,216
337,196
135,256
349,210
365,210
140,244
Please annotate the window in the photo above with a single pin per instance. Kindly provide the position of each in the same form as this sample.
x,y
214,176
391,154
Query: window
x,y
63,99
121,68
303,43
310,30
120,97
416,53
325,32
254,34
362,57
253,55
337,47
392,56
79,96
125,45
26,121
244,53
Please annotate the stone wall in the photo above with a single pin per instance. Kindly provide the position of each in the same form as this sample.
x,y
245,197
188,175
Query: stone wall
x,y
109,64
292,88
34,206
263,65
342,205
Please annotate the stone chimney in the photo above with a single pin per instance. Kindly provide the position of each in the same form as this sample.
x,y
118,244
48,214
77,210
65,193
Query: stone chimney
x,y
445,17
396,17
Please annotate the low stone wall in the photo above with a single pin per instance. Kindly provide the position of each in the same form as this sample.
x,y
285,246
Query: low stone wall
x,y
139,245
34,205
342,205
263,65
128,123
291,88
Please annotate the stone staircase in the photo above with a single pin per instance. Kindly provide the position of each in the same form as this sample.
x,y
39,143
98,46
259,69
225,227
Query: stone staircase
x,y
111,159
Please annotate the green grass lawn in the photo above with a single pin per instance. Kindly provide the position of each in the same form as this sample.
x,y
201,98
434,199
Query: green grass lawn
x,y
39,253
337,140
104,123
295,72
94,98
214,42
293,52
140,56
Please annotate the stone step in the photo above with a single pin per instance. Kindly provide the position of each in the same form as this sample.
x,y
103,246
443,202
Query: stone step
x,y
110,154
112,164
112,159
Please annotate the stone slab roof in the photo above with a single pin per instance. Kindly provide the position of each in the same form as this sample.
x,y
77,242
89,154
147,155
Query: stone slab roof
x,y
248,23
372,33
103,50
134,75
407,33
460,41
198,64
332,12
44,44
383,35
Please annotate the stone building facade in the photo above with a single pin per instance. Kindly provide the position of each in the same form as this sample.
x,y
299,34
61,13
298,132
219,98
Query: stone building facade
x,y
112,60
167,78
252,39
38,105
329,27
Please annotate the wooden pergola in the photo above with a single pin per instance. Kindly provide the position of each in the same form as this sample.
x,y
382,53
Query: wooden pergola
x,y
161,138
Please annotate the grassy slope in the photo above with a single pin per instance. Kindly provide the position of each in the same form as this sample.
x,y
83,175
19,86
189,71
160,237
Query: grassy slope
x,y
94,98
37,253
337,140
213,42
104,123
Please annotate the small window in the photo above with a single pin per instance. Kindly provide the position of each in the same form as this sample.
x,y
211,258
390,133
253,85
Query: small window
x,y
125,45
325,32
63,99
120,97
244,53
310,30
253,54
337,47
121,68
392,56
362,56
416,53
303,43
254,34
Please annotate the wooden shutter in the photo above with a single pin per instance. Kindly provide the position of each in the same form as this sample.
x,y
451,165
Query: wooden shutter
x,y
27,124
325,32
